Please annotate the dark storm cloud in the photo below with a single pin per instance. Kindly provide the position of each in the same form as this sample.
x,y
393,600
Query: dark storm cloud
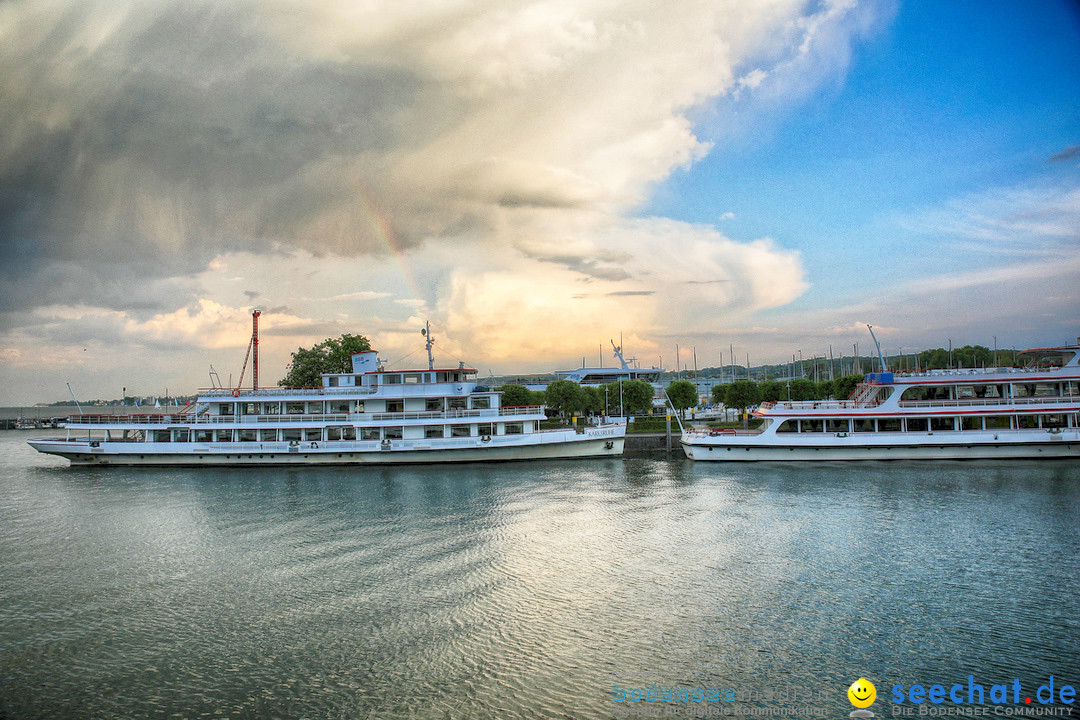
x,y
183,134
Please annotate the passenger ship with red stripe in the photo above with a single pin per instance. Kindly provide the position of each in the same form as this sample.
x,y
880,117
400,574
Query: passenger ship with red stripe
x,y
368,416
1021,412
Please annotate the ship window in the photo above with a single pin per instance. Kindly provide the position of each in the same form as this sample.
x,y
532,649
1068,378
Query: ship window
x,y
942,423
997,422
811,426
965,392
223,435
971,423
433,431
294,408
268,435
434,405
313,434
203,435
1054,421
348,433
1070,388
513,428
369,433
332,381
183,435
788,426
291,434
919,394
395,406
413,378
250,409
485,429
271,408
863,424
888,425
161,436
339,406
391,379
458,403
225,409
836,425
459,431
393,433
916,425
1028,421
333,433
481,403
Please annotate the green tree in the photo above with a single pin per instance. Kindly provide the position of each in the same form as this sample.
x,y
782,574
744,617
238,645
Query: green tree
x,y
594,400
516,396
636,396
333,355
742,394
773,391
803,389
844,386
565,397
682,395
719,394
823,390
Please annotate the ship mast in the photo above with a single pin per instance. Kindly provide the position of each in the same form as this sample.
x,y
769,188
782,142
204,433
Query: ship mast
x,y
880,359
255,348
426,332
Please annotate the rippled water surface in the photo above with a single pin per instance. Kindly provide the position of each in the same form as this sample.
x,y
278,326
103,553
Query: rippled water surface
x,y
522,590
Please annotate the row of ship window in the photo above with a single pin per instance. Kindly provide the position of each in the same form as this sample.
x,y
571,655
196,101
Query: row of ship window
x,y
333,434
896,424
1067,388
481,402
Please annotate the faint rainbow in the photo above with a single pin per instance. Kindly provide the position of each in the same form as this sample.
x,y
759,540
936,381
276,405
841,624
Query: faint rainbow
x,y
384,232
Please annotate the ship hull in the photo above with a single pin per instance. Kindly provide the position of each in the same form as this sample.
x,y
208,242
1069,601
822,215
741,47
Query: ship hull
x,y
1003,445
598,443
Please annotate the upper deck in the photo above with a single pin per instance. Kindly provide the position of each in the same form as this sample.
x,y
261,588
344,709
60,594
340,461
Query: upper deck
x,y
1050,377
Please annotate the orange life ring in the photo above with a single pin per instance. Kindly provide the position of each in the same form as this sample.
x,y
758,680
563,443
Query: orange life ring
x,y
236,392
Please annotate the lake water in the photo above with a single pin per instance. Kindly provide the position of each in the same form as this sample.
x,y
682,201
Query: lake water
x,y
526,590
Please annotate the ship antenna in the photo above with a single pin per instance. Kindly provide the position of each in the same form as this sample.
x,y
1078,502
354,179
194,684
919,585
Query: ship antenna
x,y
618,354
74,398
426,332
882,361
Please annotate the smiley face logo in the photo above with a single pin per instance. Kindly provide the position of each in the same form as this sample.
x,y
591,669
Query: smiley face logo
x,y
862,693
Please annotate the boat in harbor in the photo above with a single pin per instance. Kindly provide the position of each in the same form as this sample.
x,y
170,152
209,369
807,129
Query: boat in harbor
x,y
368,416
1031,411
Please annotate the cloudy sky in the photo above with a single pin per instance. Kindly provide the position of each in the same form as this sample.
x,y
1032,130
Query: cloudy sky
x,y
534,178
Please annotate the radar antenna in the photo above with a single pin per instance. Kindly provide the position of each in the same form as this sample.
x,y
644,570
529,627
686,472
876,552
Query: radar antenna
x,y
426,332
876,343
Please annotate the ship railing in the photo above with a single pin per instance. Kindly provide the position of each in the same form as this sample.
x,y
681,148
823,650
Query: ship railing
x,y
309,418
818,404
709,432
983,402
521,410
227,393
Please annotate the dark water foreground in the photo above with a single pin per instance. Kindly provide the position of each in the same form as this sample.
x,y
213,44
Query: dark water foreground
x,y
527,590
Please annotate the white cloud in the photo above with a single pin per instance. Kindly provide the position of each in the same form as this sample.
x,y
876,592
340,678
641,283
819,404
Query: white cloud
x,y
472,163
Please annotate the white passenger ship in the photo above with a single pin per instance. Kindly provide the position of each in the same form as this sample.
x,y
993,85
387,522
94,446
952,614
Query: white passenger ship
x,y
368,416
1031,411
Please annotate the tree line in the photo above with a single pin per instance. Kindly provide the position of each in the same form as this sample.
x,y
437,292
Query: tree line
x,y
635,397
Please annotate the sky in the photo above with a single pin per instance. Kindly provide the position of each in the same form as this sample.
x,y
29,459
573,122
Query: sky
x,y
533,178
